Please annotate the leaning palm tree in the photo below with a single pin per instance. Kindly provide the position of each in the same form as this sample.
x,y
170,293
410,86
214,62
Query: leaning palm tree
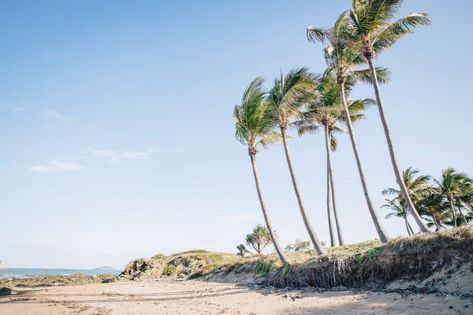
x,y
373,31
288,94
343,58
325,111
254,125
435,209
398,210
453,187
418,187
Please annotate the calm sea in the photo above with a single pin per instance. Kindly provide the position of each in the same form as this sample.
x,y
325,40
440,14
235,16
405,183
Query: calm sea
x,y
31,272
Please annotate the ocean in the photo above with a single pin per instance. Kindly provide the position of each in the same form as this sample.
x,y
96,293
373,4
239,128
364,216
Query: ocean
x,y
31,272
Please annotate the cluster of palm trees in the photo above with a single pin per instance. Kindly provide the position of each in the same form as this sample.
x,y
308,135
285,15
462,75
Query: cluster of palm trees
x,y
308,102
444,202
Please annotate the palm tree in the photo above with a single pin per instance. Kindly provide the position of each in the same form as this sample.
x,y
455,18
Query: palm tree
x,y
288,94
398,210
259,238
341,57
373,31
325,112
454,186
418,187
435,210
254,125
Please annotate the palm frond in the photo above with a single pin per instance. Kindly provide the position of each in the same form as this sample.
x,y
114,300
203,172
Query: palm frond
x,y
393,32
317,34
364,75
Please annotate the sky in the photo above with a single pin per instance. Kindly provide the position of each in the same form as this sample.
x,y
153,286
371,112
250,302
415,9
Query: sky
x,y
117,138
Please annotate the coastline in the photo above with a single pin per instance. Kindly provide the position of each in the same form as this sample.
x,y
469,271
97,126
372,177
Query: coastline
x,y
422,274
41,272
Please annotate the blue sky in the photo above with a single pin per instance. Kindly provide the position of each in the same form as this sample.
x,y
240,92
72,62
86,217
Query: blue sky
x,y
116,135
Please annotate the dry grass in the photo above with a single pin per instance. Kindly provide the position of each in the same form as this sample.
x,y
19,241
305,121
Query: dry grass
x,y
374,265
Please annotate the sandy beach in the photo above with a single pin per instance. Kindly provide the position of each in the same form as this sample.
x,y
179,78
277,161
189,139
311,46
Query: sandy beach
x,y
197,297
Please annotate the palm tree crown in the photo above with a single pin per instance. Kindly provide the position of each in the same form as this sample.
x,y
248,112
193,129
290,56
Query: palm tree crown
x,y
419,190
326,109
290,92
254,122
373,28
455,186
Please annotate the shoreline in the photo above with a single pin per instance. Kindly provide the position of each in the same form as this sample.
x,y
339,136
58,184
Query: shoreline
x,y
422,274
54,280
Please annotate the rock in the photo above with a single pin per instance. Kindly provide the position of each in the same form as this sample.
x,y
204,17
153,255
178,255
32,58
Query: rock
x,y
108,280
136,266
5,291
142,268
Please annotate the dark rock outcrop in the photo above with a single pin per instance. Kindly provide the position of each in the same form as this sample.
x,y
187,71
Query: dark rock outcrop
x,y
5,291
142,268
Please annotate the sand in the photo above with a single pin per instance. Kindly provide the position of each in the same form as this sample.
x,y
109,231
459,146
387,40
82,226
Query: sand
x,y
197,297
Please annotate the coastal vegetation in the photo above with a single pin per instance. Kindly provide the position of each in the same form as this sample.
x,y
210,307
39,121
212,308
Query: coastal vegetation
x,y
258,239
308,102
426,262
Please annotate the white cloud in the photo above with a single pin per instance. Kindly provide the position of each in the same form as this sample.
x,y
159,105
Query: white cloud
x,y
112,156
53,115
55,166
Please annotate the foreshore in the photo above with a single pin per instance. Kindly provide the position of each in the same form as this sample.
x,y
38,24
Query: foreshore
x,y
47,281
199,297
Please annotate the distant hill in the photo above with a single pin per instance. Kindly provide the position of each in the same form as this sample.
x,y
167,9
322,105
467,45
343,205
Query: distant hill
x,y
106,268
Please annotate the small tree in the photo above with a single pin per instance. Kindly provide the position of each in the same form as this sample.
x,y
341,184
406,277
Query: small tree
x,y
298,246
242,251
259,238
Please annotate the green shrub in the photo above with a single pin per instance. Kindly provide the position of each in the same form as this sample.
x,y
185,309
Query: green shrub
x,y
284,271
159,257
263,267
168,269
186,261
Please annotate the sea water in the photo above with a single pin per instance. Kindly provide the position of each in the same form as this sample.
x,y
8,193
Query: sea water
x,y
32,272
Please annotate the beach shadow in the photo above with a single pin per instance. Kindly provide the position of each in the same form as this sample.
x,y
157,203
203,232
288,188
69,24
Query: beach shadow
x,y
25,297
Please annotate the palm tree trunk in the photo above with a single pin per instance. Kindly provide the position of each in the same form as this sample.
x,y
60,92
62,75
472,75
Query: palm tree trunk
x,y
407,225
330,188
315,240
329,213
392,154
410,228
462,215
374,216
437,225
265,214
459,210
454,215
334,206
